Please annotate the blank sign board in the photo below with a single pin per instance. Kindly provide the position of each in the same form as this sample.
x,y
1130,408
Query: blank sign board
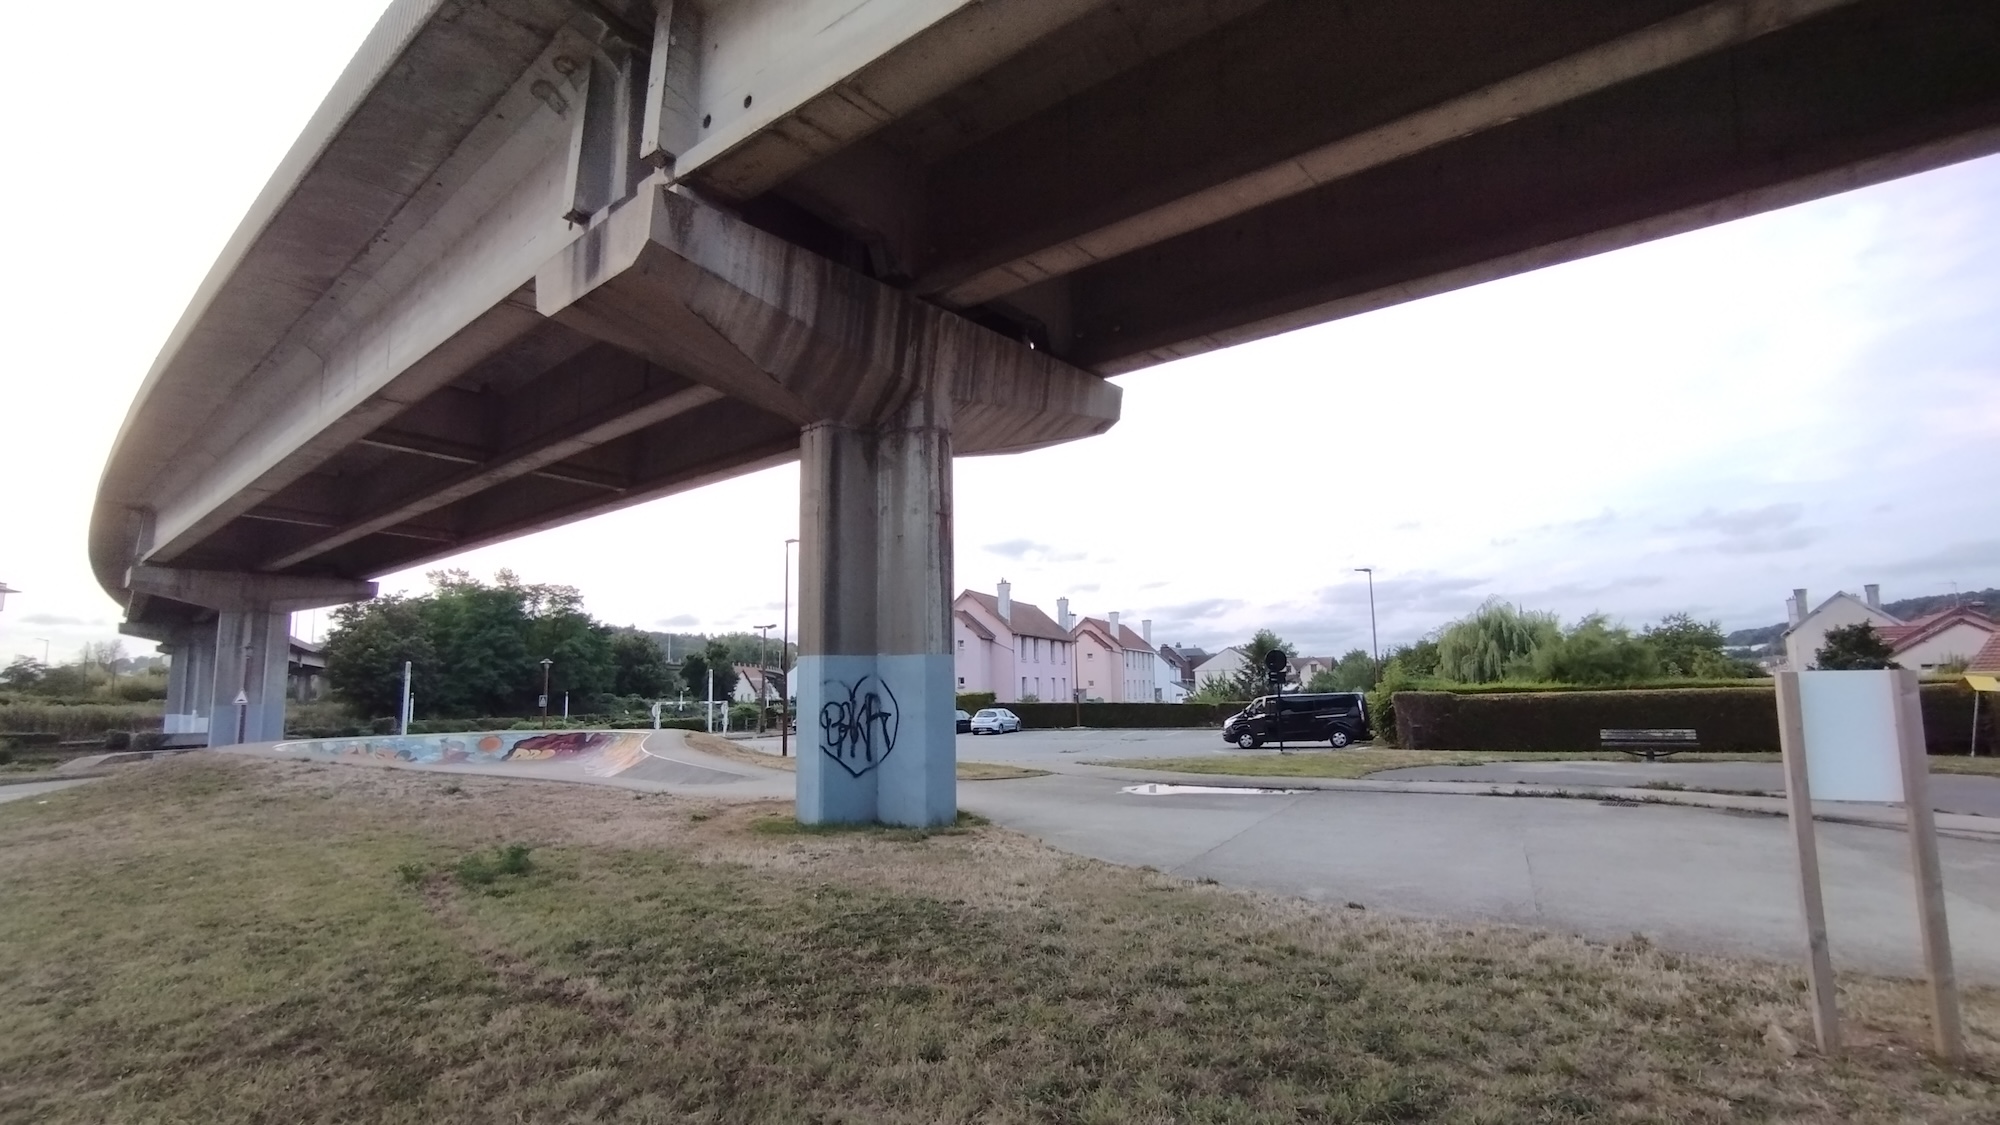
x,y
1850,736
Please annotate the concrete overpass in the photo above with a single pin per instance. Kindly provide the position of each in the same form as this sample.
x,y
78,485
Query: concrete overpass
x,y
539,259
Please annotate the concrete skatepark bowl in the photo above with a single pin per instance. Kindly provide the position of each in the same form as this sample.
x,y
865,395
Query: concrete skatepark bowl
x,y
647,760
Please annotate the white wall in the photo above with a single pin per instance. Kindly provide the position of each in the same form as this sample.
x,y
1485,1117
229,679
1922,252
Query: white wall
x,y
1960,642
1802,644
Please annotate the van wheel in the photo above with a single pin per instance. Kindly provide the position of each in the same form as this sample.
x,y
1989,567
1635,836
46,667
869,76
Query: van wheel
x,y
1338,739
1248,741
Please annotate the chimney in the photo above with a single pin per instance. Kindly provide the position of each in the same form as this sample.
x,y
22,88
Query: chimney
x,y
1063,617
1146,630
1798,607
1112,617
1006,601
1874,595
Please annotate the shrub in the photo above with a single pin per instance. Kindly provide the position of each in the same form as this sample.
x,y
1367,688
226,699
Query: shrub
x,y
76,721
1725,718
973,701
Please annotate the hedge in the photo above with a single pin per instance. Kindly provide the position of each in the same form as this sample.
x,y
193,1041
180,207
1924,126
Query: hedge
x,y
81,720
1726,719
1123,716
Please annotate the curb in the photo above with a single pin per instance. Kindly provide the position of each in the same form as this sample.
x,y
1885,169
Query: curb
x,y
1872,816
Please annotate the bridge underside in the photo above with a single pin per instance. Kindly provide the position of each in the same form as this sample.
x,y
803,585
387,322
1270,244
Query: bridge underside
x,y
539,259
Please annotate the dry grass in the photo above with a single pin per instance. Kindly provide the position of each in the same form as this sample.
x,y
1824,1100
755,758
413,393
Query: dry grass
x,y
721,747
1983,767
1362,761
215,939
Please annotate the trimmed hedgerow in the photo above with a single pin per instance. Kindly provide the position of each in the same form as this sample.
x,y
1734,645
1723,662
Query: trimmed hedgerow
x,y
1726,719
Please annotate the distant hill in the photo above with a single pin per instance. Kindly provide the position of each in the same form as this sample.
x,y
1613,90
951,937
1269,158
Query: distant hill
x,y
1905,609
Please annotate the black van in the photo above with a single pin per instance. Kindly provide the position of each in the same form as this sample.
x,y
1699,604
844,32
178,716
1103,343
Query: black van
x,y
1337,717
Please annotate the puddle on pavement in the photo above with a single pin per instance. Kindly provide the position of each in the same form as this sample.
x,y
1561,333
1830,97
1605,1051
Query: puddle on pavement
x,y
1160,789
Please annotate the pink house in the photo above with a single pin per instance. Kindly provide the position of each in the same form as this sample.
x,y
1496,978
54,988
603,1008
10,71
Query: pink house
x,y
1010,648
1114,664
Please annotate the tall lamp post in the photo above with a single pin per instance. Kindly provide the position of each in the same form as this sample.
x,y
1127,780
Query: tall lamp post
x,y
763,672
1374,641
546,665
784,662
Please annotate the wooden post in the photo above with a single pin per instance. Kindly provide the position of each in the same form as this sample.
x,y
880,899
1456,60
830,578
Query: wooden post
x,y
1798,797
1946,1027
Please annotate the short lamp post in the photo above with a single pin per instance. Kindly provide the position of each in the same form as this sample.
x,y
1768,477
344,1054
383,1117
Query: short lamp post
x,y
784,662
1374,641
546,665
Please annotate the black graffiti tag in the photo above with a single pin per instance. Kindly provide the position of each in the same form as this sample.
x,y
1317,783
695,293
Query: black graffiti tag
x,y
858,723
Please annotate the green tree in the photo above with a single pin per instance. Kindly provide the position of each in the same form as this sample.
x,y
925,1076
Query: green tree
x,y
366,649
1853,647
1418,658
23,674
1251,680
480,635
1686,647
725,669
694,674
1596,652
638,666
1497,641
1354,672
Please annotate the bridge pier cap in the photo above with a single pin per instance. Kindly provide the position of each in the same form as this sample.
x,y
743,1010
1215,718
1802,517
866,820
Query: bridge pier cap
x,y
885,389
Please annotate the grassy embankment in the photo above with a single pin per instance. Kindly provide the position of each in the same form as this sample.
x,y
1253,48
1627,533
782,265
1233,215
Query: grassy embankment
x,y
216,939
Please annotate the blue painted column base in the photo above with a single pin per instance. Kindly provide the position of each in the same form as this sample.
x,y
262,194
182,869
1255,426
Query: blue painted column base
x,y
877,740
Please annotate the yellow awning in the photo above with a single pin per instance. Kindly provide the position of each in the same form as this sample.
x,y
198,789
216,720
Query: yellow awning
x,y
1982,683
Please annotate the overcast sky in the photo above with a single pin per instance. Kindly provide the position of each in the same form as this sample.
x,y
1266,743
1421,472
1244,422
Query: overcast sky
x,y
1807,398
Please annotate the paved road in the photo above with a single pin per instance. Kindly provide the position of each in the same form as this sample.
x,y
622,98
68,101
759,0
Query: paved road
x,y
27,789
1956,793
1694,879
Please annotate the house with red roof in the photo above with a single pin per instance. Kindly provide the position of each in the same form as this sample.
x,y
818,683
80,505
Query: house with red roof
x,y
1932,642
1114,663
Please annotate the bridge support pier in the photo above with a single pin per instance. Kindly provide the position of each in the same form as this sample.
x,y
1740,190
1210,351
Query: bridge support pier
x,y
884,389
232,642
877,739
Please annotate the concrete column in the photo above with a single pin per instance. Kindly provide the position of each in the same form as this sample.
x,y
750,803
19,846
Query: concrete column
x,y
877,738
251,649
190,677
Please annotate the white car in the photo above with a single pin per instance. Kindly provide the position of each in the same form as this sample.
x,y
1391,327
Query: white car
x,y
995,720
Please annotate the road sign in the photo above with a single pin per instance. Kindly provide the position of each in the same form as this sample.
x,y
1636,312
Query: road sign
x,y
1274,661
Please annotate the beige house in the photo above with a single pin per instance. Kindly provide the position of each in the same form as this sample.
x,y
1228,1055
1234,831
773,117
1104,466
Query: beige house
x,y
1925,644
1114,664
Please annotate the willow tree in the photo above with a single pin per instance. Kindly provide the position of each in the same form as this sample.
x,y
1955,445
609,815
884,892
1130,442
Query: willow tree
x,y
1496,641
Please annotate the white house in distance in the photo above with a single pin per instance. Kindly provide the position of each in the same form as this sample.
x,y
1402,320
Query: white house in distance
x,y
1925,644
1114,664
1012,649
1225,665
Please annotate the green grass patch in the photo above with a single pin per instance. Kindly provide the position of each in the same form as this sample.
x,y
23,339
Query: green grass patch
x,y
211,938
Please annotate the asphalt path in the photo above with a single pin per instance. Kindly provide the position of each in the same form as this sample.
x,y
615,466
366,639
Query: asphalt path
x,y
23,790
1954,793
1695,879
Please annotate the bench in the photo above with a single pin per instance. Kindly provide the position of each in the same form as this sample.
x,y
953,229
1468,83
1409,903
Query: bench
x,y
1649,744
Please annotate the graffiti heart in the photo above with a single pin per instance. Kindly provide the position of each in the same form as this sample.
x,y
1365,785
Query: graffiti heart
x,y
858,723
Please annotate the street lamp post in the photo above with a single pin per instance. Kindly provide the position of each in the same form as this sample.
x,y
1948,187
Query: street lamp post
x,y
546,665
784,662
763,672
1374,641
